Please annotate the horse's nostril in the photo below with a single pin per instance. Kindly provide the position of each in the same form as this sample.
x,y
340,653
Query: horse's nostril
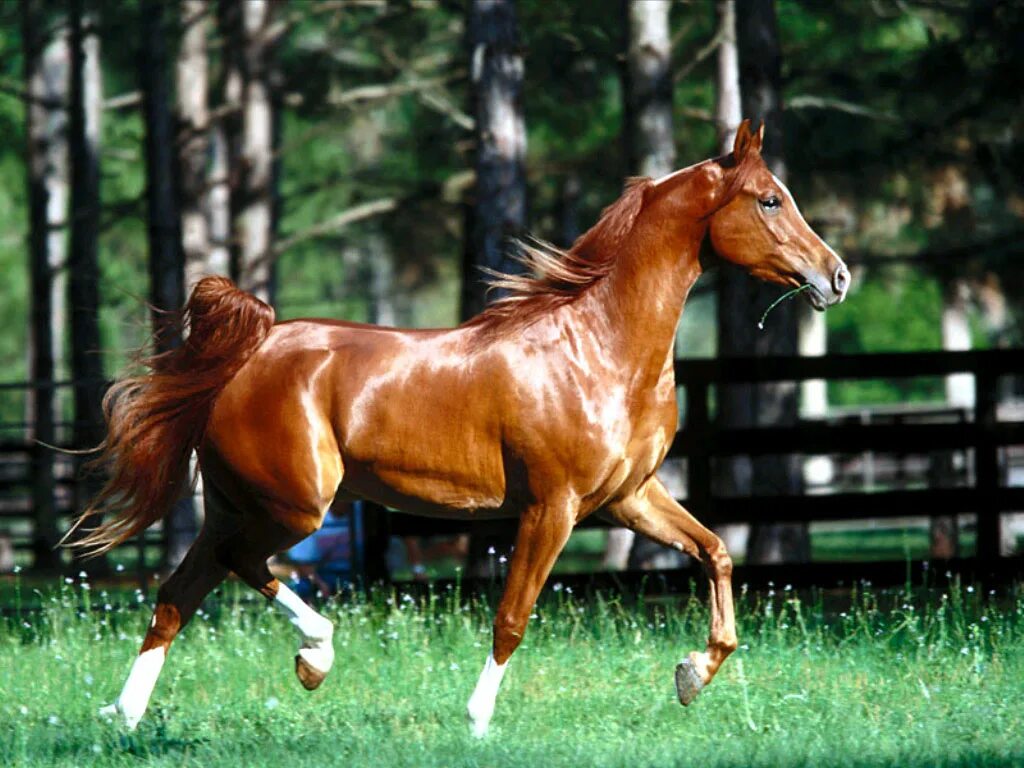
x,y
841,280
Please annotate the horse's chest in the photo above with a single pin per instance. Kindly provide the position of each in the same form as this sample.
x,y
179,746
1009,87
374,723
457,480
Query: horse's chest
x,y
623,436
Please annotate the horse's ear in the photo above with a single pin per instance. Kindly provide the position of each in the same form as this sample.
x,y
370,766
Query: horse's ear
x,y
758,139
747,141
741,143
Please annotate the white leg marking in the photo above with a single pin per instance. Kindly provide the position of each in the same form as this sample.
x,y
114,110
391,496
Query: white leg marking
x,y
131,704
317,648
481,703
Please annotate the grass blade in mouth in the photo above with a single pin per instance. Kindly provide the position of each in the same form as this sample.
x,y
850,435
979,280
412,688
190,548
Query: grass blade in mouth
x,y
782,298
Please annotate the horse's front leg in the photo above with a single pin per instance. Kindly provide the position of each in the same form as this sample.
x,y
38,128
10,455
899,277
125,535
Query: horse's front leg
x,y
653,512
543,531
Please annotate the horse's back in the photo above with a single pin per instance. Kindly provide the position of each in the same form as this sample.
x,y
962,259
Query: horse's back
x,y
401,415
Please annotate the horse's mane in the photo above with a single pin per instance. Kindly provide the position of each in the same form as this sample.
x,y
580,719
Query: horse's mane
x,y
553,276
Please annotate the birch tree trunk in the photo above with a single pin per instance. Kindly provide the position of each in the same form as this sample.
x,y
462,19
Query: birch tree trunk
x,y
650,149
225,130
217,202
166,256
46,83
166,263
256,217
86,106
192,73
760,73
226,134
499,205
733,473
496,75
728,107
648,89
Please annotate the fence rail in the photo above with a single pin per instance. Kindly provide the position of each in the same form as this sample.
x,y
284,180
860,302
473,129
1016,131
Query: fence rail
x,y
701,440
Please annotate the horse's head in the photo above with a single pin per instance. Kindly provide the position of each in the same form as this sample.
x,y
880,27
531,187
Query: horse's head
x,y
760,228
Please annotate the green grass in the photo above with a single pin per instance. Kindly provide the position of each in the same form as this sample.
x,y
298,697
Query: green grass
x,y
864,679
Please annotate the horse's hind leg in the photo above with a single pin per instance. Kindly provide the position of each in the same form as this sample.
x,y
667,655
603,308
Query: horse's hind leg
x,y
246,554
177,600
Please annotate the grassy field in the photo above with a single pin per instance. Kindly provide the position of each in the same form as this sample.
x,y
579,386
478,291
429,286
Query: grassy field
x,y
871,678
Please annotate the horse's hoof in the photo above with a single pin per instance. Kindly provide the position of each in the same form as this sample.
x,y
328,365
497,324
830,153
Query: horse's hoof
x,y
308,675
688,681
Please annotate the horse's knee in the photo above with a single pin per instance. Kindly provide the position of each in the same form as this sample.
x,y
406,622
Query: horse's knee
x,y
508,633
719,560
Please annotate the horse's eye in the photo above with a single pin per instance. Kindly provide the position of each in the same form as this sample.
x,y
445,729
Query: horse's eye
x,y
771,204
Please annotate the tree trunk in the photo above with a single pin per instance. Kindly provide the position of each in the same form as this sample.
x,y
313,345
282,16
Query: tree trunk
x,y
956,337
221,200
740,296
256,214
166,262
496,74
46,81
83,266
193,143
733,473
499,205
217,202
648,89
166,257
728,107
650,150
226,201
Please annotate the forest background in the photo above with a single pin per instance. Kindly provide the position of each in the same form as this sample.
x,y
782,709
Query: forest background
x,y
900,127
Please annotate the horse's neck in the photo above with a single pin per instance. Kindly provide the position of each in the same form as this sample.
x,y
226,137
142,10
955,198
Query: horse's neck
x,y
643,295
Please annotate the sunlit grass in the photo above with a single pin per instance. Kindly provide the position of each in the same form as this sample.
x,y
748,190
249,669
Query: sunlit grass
x,y
866,678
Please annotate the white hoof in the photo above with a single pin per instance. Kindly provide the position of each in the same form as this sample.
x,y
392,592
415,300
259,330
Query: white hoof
x,y
481,703
480,710
479,728
115,713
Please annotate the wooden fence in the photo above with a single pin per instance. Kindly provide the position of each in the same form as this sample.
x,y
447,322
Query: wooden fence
x,y
701,440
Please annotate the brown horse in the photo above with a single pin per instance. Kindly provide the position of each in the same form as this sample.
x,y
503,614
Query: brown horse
x,y
555,403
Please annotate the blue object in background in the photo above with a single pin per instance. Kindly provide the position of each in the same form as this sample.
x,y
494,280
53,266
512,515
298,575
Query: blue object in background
x,y
335,551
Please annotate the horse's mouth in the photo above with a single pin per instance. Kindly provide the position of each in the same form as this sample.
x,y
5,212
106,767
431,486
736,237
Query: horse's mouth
x,y
815,298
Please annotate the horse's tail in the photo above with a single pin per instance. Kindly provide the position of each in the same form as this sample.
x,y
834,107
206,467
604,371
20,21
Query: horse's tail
x,y
155,420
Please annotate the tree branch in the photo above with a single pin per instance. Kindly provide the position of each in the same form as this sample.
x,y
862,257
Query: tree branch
x,y
439,103
806,101
337,223
378,92
700,56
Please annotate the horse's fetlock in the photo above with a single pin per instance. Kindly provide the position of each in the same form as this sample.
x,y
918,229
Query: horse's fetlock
x,y
721,560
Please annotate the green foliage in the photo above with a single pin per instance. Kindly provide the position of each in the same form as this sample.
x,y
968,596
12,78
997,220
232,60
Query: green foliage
x,y
881,97
869,678
887,315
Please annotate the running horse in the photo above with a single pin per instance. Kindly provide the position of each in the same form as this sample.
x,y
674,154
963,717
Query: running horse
x,y
555,403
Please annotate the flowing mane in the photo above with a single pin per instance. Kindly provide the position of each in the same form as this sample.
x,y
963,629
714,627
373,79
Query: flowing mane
x,y
553,275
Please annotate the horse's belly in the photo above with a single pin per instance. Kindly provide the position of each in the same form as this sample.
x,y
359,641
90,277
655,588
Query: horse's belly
x,y
432,492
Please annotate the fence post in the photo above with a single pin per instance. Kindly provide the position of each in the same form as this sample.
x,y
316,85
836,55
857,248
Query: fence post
x,y
41,470
986,462
698,463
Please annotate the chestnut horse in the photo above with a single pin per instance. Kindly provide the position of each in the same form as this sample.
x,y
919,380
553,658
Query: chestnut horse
x,y
555,403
